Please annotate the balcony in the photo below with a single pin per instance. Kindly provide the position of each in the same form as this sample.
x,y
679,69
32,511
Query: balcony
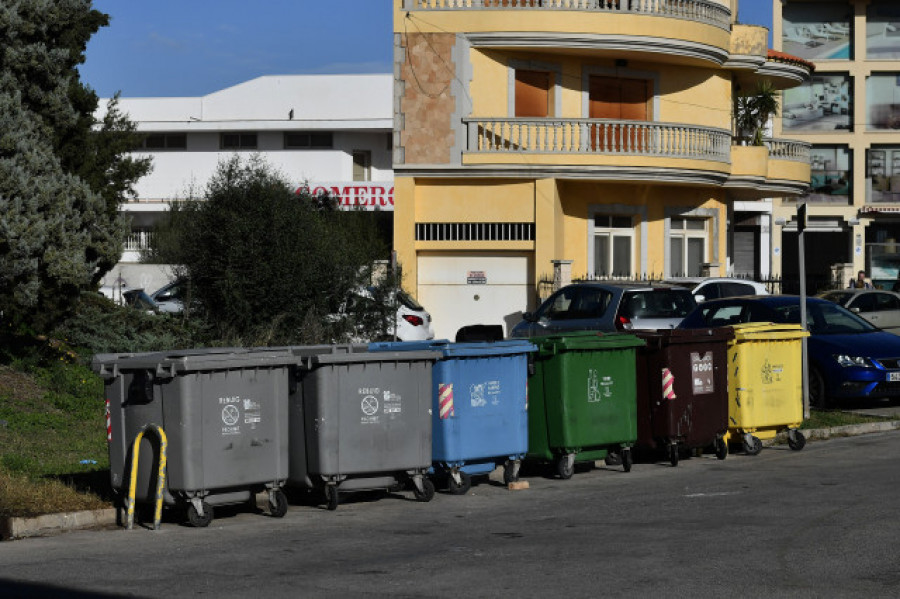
x,y
597,148
780,167
674,31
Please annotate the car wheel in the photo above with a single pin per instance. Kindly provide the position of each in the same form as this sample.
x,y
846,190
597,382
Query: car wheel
x,y
818,395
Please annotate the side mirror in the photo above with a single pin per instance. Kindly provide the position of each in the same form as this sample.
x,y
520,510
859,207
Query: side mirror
x,y
528,317
699,298
855,310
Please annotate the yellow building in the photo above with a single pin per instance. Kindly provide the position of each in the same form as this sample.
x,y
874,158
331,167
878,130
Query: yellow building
x,y
590,138
850,113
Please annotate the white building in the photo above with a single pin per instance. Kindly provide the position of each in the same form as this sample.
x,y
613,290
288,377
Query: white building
x,y
331,131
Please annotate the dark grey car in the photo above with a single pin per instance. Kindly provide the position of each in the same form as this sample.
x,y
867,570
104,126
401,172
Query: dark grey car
x,y
607,307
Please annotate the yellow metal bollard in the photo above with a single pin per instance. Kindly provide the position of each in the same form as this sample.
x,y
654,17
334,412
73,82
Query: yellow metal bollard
x,y
160,479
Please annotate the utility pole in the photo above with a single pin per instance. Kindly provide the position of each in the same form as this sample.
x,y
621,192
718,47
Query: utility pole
x,y
801,226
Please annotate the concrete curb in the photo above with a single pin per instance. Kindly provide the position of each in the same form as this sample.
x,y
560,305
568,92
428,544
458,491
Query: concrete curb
x,y
20,528
850,430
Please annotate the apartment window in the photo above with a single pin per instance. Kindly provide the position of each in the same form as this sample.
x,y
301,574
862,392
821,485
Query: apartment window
x,y
824,103
883,30
883,101
687,246
883,170
532,93
308,140
362,165
165,141
613,239
829,175
238,141
820,30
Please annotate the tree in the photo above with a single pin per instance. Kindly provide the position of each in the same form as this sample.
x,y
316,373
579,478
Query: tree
x,y
267,265
62,176
752,112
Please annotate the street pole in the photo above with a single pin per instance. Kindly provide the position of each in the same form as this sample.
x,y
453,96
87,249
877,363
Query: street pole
x,y
801,226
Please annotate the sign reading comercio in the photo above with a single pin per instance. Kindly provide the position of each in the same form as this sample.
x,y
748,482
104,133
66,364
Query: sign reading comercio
x,y
355,195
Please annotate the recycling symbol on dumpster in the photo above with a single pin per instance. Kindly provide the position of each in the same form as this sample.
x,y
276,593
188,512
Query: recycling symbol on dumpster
x,y
230,415
369,405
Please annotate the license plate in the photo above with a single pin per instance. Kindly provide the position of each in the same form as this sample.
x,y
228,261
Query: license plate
x,y
893,377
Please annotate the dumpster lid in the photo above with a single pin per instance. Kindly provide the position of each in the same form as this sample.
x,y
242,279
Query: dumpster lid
x,y
586,340
169,363
768,330
314,355
460,350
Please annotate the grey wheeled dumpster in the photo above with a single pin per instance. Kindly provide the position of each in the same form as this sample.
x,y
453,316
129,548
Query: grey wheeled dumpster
x,y
224,412
361,420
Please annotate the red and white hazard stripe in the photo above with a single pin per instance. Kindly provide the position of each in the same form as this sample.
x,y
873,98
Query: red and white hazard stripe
x,y
668,384
108,424
445,395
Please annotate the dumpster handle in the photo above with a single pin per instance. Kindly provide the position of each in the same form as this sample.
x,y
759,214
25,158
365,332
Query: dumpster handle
x,y
160,479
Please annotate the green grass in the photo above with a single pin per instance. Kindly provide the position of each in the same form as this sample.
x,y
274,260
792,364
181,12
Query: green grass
x,y
52,418
832,418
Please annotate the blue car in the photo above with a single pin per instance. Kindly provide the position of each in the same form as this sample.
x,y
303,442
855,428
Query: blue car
x,y
848,356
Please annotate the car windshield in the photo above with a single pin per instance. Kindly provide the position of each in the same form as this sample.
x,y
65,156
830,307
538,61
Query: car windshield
x,y
657,303
826,319
408,301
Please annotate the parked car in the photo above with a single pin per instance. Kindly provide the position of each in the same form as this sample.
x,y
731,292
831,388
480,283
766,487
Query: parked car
x,y
718,287
170,297
881,308
607,307
848,356
411,323
138,298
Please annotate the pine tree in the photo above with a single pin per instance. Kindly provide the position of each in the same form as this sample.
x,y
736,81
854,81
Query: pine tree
x,y
62,176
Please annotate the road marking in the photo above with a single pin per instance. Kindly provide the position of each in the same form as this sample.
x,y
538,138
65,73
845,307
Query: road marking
x,y
723,494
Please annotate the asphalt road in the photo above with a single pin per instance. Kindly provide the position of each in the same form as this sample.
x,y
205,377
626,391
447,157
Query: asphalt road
x,y
817,523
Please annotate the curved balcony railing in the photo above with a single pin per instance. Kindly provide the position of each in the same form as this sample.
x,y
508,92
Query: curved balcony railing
x,y
702,11
787,149
596,136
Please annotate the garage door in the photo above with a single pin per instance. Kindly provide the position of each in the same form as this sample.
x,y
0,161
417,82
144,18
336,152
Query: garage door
x,y
460,289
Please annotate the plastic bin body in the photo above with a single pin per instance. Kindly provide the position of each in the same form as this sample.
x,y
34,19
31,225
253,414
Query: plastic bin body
x,y
224,413
582,396
479,402
683,387
360,420
765,378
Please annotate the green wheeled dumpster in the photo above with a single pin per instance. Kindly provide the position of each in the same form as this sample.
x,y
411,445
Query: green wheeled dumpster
x,y
221,421
583,399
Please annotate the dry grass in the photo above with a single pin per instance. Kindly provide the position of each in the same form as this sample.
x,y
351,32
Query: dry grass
x,y
24,497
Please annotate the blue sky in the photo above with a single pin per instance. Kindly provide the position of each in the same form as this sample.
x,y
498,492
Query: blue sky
x,y
195,47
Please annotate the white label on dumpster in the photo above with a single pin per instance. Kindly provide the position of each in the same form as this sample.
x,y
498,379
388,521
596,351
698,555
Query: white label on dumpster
x,y
702,373
369,405
476,395
392,403
493,392
607,384
230,415
593,386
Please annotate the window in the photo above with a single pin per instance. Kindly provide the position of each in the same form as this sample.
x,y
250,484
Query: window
x,y
619,98
165,141
823,104
576,303
532,93
362,165
238,141
613,239
687,246
820,30
883,30
829,175
302,140
883,101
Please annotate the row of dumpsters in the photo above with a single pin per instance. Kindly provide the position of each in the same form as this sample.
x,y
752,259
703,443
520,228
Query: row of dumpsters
x,y
196,429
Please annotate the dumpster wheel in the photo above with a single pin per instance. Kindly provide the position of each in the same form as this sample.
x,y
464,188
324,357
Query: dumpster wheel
x,y
459,488
673,454
565,466
194,517
331,497
796,440
278,503
510,472
721,449
752,445
627,460
427,492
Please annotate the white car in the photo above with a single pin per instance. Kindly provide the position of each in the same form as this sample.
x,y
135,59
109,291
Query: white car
x,y
412,322
719,287
170,297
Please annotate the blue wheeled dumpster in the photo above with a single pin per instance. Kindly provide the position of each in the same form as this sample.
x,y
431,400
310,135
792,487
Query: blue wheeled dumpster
x,y
360,420
224,414
479,407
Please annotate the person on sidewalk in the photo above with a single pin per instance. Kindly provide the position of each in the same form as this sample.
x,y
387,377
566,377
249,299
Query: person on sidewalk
x,y
860,281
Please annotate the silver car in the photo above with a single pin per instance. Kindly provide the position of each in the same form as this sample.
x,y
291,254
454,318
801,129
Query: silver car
x,y
608,308
881,308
